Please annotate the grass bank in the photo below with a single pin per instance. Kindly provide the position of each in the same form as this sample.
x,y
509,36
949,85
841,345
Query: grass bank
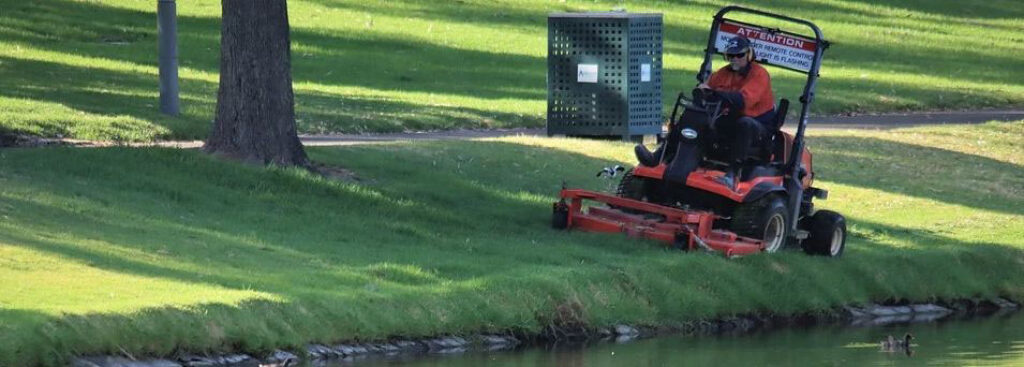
x,y
88,69
151,251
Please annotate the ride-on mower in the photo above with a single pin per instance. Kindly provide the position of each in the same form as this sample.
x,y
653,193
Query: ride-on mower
x,y
675,195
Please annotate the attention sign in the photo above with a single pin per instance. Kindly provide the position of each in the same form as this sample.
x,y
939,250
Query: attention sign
x,y
775,48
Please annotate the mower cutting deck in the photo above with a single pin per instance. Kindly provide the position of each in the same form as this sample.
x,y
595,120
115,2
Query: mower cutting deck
x,y
682,229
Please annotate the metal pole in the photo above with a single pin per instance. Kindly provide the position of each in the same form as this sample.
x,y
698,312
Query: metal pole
x,y
168,33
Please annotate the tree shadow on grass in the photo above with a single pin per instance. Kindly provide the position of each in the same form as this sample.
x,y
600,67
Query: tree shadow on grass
x,y
431,195
443,69
925,12
105,92
456,12
332,60
97,91
21,335
256,326
159,210
925,172
358,257
920,265
386,63
390,63
999,9
319,58
872,93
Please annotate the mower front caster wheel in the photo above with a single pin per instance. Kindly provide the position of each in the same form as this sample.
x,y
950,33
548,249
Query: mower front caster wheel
x,y
560,216
827,234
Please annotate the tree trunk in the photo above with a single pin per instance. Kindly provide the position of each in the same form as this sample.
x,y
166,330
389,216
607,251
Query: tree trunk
x,y
255,119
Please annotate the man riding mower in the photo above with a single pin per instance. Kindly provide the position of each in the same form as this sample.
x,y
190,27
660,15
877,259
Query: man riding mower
x,y
746,86
725,177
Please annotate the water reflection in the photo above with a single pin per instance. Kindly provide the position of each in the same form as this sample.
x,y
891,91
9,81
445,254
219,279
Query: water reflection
x,y
991,341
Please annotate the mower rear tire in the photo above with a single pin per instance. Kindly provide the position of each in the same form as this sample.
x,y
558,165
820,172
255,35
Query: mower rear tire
x,y
827,234
765,219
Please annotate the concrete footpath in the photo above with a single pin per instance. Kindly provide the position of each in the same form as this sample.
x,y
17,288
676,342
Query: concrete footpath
x,y
879,121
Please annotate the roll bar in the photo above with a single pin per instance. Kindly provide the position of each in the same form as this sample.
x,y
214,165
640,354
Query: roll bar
x,y
792,167
812,75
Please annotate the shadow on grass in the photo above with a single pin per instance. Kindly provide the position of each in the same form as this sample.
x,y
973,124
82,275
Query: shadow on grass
x,y
328,59
276,217
454,12
21,337
942,175
997,9
354,260
450,194
870,92
443,237
385,64
910,264
97,91
332,60
256,326
93,90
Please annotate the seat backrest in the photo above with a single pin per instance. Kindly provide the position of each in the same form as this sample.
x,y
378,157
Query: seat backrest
x,y
780,113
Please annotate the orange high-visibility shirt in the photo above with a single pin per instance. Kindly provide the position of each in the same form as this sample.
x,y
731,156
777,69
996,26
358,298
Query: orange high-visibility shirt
x,y
756,87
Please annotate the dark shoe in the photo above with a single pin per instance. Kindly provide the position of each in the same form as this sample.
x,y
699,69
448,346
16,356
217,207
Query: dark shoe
x,y
645,157
728,179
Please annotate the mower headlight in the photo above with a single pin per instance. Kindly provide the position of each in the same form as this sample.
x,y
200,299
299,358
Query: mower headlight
x,y
689,133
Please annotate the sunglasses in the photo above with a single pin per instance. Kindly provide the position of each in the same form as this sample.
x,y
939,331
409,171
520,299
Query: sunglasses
x,y
735,56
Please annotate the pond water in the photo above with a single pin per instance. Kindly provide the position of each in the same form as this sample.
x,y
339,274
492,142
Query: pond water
x,y
996,340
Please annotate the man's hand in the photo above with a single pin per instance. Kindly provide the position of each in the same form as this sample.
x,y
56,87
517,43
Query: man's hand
x,y
703,86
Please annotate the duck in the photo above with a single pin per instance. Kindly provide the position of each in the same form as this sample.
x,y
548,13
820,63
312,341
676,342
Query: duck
x,y
891,344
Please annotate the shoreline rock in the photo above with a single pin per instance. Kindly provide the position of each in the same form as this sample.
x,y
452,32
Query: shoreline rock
x,y
856,316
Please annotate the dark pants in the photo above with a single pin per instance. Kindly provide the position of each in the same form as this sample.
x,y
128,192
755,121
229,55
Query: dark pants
x,y
740,134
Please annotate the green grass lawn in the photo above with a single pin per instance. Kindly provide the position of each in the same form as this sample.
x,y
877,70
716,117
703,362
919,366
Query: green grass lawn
x,y
151,251
88,69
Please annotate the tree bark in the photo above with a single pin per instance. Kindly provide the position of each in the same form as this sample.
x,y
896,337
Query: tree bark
x,y
255,119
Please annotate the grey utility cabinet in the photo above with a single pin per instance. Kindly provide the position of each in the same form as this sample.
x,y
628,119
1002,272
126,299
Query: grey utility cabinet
x,y
604,74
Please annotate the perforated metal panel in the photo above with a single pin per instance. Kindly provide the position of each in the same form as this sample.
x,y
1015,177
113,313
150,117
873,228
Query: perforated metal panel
x,y
604,74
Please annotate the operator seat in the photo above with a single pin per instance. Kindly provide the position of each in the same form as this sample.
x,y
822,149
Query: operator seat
x,y
772,148
766,150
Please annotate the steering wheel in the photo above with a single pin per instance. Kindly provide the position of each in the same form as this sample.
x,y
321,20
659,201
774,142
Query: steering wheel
x,y
711,102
